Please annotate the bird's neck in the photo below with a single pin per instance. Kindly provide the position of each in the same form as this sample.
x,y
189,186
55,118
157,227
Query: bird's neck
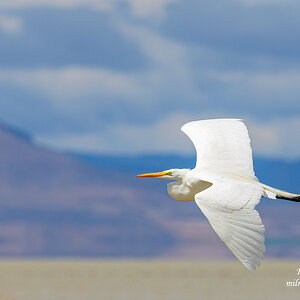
x,y
184,189
180,191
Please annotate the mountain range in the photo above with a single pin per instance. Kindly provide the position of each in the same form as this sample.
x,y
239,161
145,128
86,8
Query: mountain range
x,y
83,205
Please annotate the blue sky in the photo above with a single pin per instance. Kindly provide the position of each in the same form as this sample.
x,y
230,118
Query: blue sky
x,y
122,76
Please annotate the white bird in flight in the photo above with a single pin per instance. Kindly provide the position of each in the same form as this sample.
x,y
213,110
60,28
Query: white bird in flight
x,y
224,186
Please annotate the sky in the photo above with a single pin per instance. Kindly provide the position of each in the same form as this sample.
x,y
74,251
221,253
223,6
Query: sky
x,y
122,76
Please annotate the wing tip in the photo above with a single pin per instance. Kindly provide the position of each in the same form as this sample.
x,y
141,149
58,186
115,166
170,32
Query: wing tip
x,y
250,266
184,126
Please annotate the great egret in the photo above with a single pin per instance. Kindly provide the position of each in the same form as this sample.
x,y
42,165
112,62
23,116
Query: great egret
x,y
224,186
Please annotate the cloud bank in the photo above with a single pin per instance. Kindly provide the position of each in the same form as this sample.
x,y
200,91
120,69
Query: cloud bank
x,y
122,76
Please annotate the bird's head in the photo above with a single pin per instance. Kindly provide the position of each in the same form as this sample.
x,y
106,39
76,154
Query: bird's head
x,y
172,174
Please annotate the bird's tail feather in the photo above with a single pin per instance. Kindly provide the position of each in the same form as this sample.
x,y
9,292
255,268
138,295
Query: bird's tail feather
x,y
273,193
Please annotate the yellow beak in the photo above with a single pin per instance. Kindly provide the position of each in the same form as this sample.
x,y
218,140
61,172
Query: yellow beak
x,y
158,174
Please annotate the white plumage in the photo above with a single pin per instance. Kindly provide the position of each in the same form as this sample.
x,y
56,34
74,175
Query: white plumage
x,y
224,186
222,144
229,207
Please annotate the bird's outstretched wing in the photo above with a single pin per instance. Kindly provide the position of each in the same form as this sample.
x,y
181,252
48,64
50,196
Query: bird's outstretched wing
x,y
229,206
222,144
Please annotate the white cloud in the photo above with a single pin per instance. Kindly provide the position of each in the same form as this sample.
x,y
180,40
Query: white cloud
x,y
163,136
99,4
265,138
167,77
10,25
141,8
277,138
68,85
160,50
263,86
169,74
149,7
170,71
267,2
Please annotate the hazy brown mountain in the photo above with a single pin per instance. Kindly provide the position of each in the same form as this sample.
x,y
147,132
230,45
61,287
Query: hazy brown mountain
x,y
53,204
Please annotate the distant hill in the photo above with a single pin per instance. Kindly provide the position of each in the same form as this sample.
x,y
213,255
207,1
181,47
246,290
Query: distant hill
x,y
55,204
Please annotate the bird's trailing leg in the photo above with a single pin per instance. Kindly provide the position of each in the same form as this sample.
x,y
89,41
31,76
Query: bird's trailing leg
x,y
295,198
274,193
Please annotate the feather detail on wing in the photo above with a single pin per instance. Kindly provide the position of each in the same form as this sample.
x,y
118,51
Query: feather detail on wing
x,y
229,206
222,144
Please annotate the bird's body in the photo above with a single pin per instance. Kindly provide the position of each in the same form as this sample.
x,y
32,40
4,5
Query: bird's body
x,y
224,186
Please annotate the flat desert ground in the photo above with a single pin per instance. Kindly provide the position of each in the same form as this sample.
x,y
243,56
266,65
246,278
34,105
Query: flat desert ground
x,y
93,279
